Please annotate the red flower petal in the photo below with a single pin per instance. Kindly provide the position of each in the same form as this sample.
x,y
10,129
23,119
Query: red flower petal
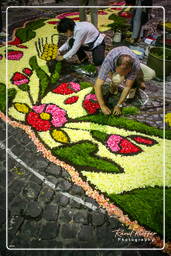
x,y
53,22
91,107
15,55
128,147
18,76
143,140
16,41
63,89
21,46
71,100
27,71
36,122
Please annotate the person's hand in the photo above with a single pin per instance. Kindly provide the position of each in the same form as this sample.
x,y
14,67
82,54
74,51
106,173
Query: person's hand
x,y
59,57
117,110
105,110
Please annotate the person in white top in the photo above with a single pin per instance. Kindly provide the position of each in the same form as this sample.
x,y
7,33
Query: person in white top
x,y
82,36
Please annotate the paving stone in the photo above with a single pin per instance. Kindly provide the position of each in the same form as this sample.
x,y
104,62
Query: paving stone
x,y
81,217
54,170
61,199
18,149
52,179
49,231
35,179
2,135
46,194
24,139
31,147
11,142
55,245
3,199
66,215
2,125
33,210
2,154
17,205
86,233
74,204
63,185
14,223
16,186
69,231
40,163
65,174
3,216
31,190
30,229
98,219
28,158
76,190
104,231
11,163
51,213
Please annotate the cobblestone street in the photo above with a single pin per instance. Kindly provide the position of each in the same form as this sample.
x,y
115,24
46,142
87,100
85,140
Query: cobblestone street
x,y
45,209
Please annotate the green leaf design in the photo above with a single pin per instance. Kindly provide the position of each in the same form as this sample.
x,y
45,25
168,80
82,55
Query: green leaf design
x,y
132,110
24,87
28,33
126,123
85,85
55,74
44,79
101,136
82,155
11,95
145,205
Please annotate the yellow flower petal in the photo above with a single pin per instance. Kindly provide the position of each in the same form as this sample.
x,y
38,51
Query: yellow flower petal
x,y
21,107
60,136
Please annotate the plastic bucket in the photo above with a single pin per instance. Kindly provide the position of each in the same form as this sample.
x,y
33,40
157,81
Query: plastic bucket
x,y
155,61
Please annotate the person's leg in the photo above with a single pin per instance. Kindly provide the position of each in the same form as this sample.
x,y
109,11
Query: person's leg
x,y
99,54
148,72
83,10
94,13
137,22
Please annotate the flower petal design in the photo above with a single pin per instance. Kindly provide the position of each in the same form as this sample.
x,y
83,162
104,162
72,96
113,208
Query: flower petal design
x,y
143,140
18,79
27,71
58,115
16,41
39,109
60,136
67,88
71,100
21,107
14,55
36,122
121,145
91,104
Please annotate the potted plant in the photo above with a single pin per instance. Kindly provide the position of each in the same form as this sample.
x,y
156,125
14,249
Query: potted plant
x,y
119,26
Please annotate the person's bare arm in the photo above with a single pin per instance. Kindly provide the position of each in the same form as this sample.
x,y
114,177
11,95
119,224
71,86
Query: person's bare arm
x,y
98,91
125,92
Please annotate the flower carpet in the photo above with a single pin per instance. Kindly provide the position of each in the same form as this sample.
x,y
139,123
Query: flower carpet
x,y
119,162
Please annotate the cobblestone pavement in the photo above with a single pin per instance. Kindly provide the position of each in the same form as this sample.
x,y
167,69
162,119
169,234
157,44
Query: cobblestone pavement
x,y
46,210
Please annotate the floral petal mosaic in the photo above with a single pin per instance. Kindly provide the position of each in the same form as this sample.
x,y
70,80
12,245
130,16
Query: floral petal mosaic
x,y
110,158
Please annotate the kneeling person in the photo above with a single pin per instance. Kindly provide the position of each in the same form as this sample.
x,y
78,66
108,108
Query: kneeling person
x,y
82,36
123,64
